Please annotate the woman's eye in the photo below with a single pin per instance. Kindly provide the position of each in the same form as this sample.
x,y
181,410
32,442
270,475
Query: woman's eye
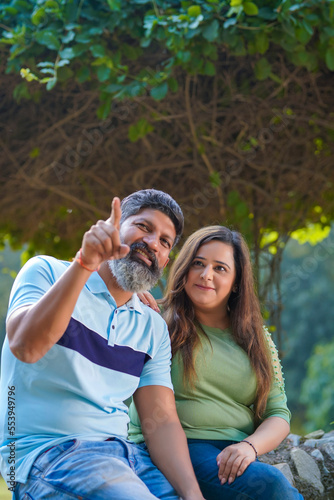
x,y
220,268
197,263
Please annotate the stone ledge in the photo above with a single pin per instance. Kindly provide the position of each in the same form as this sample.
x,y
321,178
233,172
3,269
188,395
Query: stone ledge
x,y
307,462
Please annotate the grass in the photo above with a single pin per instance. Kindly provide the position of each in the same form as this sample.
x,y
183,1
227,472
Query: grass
x,y
4,493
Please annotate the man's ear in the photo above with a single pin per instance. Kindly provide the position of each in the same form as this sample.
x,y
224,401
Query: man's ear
x,y
166,263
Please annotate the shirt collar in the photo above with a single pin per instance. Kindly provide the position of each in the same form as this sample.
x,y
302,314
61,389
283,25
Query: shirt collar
x,y
95,284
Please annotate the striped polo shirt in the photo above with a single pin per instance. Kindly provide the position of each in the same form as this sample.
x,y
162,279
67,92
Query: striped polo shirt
x,y
77,390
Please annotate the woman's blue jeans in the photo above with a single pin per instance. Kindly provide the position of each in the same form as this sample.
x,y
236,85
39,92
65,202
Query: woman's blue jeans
x,y
260,481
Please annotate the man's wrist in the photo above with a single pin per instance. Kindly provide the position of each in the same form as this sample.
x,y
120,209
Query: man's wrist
x,y
78,258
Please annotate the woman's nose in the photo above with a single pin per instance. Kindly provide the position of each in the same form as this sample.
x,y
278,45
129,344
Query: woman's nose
x,y
207,273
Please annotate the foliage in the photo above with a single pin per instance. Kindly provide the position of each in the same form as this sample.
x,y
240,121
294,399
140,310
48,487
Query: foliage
x,y
224,104
97,41
317,389
307,318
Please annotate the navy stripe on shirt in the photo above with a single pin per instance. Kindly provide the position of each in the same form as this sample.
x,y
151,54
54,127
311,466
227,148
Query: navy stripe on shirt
x,y
92,346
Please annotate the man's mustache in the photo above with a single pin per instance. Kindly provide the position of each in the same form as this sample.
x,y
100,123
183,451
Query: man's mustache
x,y
142,246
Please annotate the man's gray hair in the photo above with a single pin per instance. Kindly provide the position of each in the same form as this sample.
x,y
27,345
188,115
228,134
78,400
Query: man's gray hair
x,y
156,200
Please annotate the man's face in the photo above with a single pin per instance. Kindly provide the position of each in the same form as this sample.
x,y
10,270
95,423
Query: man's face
x,y
150,234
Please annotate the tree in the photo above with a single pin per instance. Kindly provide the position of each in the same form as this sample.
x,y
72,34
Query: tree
x,y
317,390
222,103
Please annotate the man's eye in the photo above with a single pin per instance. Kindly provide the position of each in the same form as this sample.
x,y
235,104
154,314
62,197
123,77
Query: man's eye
x,y
142,226
165,243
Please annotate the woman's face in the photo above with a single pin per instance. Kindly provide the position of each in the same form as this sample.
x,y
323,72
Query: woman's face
x,y
211,277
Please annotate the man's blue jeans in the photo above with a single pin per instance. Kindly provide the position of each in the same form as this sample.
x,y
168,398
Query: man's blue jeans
x,y
90,470
260,481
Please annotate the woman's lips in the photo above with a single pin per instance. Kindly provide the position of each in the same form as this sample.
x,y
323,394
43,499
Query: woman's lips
x,y
206,288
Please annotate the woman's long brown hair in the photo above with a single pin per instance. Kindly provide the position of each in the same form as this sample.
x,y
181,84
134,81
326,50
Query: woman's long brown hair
x,y
246,321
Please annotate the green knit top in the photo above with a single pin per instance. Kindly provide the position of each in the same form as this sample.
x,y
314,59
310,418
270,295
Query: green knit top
x,y
219,406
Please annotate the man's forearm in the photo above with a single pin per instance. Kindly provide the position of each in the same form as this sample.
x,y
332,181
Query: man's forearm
x,y
169,452
34,330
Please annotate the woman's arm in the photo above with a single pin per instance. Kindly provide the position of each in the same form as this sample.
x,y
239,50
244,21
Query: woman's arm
x,y
234,460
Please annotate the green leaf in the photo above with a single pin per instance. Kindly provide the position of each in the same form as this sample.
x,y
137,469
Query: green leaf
x,y
34,153
209,68
67,53
64,74
330,58
21,91
262,69
261,43
68,37
160,91
194,11
230,22
51,83
215,179
211,31
83,74
114,4
48,39
45,64
63,62
140,130
184,56
103,73
98,50
173,85
250,9
38,16
267,13
104,110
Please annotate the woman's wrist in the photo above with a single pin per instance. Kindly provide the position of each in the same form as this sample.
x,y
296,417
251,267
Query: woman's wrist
x,y
250,444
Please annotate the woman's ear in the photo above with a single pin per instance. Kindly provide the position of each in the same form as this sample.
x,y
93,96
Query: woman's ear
x,y
235,288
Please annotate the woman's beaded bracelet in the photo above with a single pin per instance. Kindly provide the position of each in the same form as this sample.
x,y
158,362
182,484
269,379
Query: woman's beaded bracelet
x,y
79,260
250,444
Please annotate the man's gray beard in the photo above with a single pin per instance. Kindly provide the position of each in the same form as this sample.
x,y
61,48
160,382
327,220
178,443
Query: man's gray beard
x,y
133,276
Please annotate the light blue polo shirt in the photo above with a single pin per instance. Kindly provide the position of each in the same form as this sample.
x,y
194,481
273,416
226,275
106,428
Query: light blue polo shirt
x,y
76,391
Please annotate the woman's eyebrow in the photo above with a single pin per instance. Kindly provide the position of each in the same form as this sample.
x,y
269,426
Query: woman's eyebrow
x,y
217,261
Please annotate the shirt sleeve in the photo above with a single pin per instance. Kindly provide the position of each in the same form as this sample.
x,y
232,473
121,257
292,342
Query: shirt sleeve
x,y
157,370
32,282
277,401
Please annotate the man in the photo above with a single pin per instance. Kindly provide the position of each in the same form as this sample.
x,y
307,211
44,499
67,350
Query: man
x,y
78,344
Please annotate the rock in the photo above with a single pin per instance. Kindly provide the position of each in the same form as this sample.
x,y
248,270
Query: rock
x,y
320,455
320,459
285,469
312,443
294,438
329,449
307,469
315,434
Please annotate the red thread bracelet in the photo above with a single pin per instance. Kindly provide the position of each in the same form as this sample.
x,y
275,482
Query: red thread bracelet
x,y
250,444
79,260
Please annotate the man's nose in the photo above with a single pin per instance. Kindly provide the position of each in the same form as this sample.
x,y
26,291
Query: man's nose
x,y
152,241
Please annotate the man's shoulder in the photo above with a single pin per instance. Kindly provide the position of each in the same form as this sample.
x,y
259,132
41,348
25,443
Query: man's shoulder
x,y
47,262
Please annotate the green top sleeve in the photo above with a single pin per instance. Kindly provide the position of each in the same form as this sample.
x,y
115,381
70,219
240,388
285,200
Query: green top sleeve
x,y
220,403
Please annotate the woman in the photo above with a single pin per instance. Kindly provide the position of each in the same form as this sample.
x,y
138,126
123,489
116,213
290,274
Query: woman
x,y
226,373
